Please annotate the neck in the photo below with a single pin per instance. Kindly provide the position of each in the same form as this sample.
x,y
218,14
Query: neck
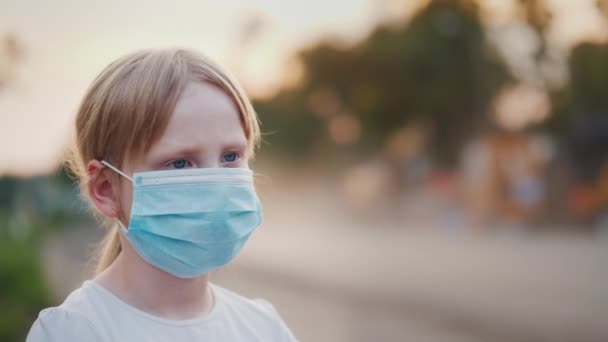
x,y
139,284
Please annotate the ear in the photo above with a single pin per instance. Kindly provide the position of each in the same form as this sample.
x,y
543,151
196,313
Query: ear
x,y
101,190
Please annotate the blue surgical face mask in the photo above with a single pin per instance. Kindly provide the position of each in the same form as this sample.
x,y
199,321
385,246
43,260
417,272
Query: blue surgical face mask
x,y
188,222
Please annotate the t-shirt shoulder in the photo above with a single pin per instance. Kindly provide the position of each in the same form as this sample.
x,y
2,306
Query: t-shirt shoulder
x,y
257,312
247,306
60,324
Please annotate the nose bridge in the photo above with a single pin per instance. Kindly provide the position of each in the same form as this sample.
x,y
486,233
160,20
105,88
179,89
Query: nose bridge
x,y
209,160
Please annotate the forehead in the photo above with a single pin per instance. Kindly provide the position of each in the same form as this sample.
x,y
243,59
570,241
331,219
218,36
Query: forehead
x,y
204,118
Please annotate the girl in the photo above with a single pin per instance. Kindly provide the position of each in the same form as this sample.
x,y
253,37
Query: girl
x,y
163,140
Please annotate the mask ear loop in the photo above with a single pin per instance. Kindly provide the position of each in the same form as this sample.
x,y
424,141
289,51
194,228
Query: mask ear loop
x,y
117,170
122,227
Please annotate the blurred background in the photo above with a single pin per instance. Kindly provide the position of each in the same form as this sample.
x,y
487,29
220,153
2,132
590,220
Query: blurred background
x,y
432,170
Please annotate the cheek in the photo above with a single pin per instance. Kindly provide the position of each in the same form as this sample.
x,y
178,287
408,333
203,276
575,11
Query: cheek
x,y
244,163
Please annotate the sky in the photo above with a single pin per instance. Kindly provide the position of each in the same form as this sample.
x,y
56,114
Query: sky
x,y
67,42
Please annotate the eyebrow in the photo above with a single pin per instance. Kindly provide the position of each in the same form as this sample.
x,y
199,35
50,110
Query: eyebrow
x,y
235,145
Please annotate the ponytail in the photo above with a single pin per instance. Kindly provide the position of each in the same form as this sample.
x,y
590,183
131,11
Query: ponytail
x,y
109,248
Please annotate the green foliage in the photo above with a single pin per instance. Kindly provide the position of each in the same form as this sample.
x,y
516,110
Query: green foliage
x,y
584,97
589,77
30,209
22,290
8,186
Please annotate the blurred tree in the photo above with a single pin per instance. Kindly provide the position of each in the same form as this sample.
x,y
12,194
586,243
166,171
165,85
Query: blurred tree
x,y
22,290
8,185
11,53
589,77
438,69
588,107
537,15
582,115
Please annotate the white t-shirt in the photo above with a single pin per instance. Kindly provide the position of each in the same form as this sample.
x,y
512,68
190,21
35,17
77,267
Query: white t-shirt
x,y
93,314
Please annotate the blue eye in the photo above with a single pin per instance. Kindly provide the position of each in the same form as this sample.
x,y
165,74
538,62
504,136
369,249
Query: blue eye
x,y
179,164
231,157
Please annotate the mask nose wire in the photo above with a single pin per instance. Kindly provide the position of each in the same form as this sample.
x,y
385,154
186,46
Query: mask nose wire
x,y
117,170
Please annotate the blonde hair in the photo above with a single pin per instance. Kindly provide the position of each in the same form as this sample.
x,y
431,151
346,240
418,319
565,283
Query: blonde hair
x,y
128,106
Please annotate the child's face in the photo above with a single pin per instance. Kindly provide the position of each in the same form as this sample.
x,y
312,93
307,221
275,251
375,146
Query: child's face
x,y
204,131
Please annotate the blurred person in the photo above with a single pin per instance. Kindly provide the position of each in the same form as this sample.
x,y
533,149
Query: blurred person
x,y
602,199
163,141
479,180
522,171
